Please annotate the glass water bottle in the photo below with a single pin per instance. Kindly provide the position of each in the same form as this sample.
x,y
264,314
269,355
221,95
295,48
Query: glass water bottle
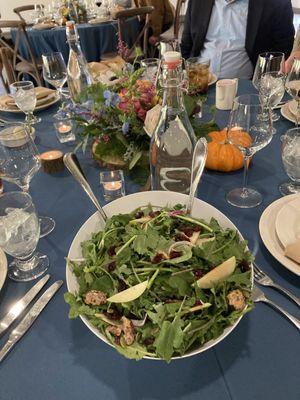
x,y
79,76
173,141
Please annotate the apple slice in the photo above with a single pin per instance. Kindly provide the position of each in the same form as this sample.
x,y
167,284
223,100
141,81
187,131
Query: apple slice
x,y
218,274
129,294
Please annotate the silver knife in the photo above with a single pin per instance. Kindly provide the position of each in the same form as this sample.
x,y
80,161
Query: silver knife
x,y
20,305
29,318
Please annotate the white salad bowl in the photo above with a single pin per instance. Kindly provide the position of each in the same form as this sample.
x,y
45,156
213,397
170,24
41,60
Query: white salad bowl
x,y
127,204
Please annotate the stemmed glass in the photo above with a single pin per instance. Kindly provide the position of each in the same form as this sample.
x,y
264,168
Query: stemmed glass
x,y
271,90
55,71
19,236
292,86
151,66
25,98
290,153
249,133
19,162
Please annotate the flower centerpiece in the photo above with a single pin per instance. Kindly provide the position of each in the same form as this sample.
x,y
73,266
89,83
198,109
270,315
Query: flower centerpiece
x,y
111,118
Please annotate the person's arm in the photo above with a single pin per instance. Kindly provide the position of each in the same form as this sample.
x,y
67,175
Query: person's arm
x,y
157,17
283,28
187,41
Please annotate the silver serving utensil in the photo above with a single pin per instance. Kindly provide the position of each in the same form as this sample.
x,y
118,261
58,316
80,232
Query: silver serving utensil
x,y
263,279
73,165
258,295
29,318
199,158
20,305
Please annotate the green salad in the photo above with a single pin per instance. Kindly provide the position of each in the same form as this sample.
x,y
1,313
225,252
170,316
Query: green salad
x,y
160,283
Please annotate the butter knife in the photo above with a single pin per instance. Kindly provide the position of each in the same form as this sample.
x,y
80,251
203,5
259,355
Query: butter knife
x,y
29,318
20,305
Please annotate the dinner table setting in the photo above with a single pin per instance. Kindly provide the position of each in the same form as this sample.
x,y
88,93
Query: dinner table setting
x,y
150,231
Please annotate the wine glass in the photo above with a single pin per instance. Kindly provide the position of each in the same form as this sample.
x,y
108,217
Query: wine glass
x,y
249,133
292,86
290,153
19,162
271,90
268,62
19,236
24,95
55,71
151,66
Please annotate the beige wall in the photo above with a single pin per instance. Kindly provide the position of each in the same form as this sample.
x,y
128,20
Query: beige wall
x,y
7,6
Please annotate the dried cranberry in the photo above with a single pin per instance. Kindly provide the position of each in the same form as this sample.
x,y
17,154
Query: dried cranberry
x,y
175,254
157,258
198,303
117,340
111,251
139,214
198,273
122,286
111,266
244,266
114,315
189,230
154,214
148,342
179,237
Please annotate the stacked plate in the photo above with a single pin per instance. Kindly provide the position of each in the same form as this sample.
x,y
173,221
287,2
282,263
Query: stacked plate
x,y
45,98
289,111
279,226
3,268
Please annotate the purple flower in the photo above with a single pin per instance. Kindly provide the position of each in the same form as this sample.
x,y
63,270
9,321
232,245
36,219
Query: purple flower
x,y
111,98
125,128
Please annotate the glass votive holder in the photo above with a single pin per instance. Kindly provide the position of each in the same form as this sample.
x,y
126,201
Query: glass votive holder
x,y
64,131
113,184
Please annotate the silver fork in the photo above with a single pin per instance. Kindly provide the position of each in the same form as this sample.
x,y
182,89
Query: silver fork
x,y
263,279
258,295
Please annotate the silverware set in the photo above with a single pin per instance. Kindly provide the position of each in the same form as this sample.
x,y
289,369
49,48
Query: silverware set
x,y
258,295
17,309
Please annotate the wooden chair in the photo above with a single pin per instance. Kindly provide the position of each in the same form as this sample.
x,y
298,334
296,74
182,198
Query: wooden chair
x,y
21,65
7,73
174,32
143,13
29,7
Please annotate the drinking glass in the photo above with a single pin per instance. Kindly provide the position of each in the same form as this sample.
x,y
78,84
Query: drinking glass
x,y
19,162
55,71
290,153
19,236
249,133
199,75
271,90
151,66
25,98
292,86
268,62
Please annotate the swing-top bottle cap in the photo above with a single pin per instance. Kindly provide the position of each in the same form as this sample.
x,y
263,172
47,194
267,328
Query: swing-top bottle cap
x,y
172,56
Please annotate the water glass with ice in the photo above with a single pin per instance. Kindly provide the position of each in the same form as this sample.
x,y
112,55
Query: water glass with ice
x,y
290,152
19,236
25,98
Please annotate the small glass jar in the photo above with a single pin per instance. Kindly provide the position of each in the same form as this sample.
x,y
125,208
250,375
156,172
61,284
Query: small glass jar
x,y
64,131
113,184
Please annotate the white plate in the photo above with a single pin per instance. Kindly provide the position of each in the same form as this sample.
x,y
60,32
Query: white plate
x,y
286,113
213,79
126,205
3,268
268,235
293,107
44,106
288,222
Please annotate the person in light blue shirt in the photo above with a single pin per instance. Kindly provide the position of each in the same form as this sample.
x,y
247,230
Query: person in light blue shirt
x,y
232,33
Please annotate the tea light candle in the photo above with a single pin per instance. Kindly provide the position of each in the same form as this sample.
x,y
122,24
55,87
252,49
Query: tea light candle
x,y
64,131
52,161
112,186
64,128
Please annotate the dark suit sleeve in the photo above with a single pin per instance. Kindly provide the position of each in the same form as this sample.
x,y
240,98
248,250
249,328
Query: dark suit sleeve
x,y
283,28
187,41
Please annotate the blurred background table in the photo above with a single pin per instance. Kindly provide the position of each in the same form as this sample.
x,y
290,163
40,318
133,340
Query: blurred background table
x,y
95,39
60,359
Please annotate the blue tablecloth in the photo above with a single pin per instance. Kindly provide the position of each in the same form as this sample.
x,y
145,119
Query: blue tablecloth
x,y
95,39
59,359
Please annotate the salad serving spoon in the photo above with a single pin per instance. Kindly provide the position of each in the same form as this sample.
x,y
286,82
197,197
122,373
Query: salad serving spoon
x,y
198,164
73,165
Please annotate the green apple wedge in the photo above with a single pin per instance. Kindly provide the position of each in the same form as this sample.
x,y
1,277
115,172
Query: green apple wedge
x,y
218,274
129,294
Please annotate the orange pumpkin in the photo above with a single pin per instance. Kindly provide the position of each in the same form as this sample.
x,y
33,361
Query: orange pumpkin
x,y
223,156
